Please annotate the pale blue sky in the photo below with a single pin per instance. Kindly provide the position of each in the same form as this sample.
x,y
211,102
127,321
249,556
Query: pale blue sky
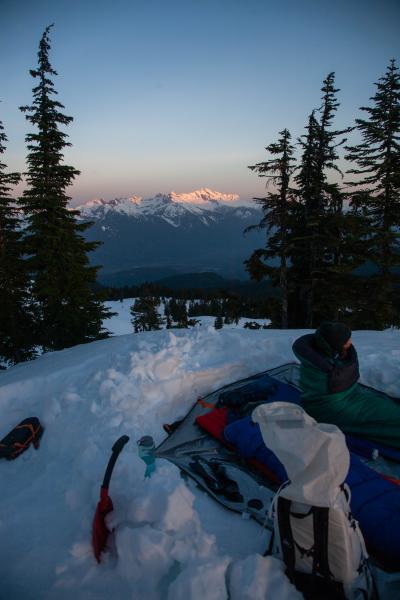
x,y
182,94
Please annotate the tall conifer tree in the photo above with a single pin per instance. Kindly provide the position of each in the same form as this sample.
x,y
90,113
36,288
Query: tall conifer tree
x,y
68,311
16,321
275,206
316,229
376,193
302,229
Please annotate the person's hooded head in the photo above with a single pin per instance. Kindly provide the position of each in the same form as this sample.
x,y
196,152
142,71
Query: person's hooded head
x,y
331,337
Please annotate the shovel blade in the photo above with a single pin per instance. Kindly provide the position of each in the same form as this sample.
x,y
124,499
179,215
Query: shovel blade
x,y
100,530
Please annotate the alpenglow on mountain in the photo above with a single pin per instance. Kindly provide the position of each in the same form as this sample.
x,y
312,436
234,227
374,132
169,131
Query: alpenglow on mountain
x,y
147,239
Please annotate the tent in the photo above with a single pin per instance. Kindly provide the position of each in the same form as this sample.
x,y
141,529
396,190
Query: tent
x,y
245,479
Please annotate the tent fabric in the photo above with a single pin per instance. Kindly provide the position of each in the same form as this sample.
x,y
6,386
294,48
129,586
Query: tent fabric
x,y
275,390
314,454
261,472
280,391
214,422
253,448
356,409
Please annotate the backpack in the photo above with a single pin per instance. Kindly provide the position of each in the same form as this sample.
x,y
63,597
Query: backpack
x,y
29,431
314,531
322,547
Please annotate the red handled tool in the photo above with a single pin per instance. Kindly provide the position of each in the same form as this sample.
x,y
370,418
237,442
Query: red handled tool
x,y
104,506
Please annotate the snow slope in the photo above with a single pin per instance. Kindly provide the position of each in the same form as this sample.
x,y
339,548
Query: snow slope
x,y
171,540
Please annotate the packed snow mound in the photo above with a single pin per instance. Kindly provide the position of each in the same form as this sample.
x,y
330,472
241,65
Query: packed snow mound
x,y
165,545
171,540
199,201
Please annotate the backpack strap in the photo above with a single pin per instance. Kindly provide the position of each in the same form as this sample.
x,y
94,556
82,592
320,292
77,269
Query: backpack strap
x,y
286,535
320,554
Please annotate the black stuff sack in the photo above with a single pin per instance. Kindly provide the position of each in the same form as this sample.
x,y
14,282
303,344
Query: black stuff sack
x,y
244,399
28,432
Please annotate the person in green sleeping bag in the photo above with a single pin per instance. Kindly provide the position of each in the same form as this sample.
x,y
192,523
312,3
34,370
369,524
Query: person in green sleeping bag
x,y
329,390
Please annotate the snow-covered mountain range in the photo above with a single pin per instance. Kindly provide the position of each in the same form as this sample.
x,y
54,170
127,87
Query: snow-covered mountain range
x,y
187,232
203,203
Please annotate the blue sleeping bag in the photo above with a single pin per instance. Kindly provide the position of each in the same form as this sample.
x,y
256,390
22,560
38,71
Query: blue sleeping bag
x,y
375,502
268,389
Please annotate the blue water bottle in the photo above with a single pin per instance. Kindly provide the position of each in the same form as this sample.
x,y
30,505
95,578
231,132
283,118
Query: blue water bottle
x,y
146,447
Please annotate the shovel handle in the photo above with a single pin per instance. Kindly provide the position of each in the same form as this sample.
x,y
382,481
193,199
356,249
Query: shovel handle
x,y
116,450
120,443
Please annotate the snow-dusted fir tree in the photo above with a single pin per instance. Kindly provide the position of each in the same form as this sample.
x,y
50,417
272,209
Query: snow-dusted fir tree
x,y
376,193
16,320
68,310
275,207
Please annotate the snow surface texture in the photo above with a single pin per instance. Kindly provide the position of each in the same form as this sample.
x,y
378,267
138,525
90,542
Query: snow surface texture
x,y
170,206
171,540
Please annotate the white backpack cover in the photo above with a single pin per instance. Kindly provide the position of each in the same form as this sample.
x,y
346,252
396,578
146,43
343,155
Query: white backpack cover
x,y
314,532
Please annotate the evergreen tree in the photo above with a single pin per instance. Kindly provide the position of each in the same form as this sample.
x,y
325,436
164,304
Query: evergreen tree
x,y
145,316
376,193
182,317
275,207
316,239
215,307
178,312
192,309
219,322
167,312
68,312
16,320
233,307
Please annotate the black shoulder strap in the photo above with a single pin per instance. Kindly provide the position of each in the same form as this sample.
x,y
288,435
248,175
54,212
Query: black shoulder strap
x,y
321,528
286,535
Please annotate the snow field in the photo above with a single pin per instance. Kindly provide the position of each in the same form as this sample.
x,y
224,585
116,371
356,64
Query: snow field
x,y
171,540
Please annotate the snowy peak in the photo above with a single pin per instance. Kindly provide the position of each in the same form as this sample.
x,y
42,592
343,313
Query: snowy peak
x,y
97,207
188,232
198,201
203,196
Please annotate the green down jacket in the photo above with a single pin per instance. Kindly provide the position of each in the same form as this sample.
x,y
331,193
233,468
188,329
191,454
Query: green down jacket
x,y
330,394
